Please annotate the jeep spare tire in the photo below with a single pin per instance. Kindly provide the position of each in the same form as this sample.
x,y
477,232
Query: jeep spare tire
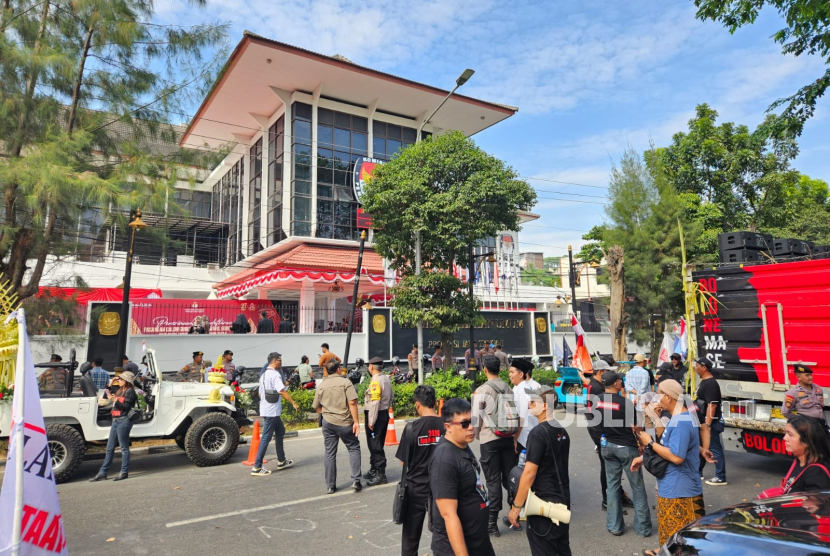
x,y
67,447
212,439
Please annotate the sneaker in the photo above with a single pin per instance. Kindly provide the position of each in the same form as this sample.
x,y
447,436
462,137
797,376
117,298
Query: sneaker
x,y
331,490
716,482
357,486
285,464
260,472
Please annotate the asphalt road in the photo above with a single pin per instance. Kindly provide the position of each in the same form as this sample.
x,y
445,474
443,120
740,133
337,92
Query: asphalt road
x,y
168,506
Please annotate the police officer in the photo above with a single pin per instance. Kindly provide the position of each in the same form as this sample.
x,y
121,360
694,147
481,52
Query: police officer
x,y
376,404
192,372
805,398
54,378
228,365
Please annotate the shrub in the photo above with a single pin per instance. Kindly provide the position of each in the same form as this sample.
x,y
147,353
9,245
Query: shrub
x,y
304,399
404,400
545,376
449,385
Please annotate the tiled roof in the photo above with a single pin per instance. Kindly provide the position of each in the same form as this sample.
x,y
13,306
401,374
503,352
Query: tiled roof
x,y
324,257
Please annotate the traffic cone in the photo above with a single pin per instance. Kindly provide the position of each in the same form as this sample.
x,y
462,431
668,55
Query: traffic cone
x,y
252,451
391,434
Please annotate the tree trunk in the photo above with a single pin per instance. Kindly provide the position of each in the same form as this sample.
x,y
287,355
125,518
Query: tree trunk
x,y
615,259
76,90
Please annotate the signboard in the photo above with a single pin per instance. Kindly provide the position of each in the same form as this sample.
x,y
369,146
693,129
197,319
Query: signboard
x,y
517,331
764,443
169,316
363,168
364,220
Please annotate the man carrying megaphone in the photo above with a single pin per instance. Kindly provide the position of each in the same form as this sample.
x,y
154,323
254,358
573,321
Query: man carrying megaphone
x,y
544,490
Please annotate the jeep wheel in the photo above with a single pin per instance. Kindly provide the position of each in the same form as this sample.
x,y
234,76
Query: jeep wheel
x,y
212,439
67,447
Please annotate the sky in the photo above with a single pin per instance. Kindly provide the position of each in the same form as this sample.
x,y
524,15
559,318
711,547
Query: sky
x,y
589,78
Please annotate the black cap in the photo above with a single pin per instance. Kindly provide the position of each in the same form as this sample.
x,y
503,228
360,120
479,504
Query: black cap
x,y
676,356
56,358
609,379
227,352
802,369
705,362
375,361
665,366
523,365
197,353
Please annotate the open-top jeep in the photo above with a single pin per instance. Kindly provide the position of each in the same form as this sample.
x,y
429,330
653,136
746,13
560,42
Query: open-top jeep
x,y
181,411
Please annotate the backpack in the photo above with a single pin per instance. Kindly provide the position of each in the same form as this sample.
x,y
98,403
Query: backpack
x,y
505,416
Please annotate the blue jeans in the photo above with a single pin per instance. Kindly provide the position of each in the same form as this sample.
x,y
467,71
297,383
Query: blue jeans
x,y
618,459
273,427
119,433
716,447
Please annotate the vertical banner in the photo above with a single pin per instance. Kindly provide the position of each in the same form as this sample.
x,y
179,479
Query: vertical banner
x,y
29,493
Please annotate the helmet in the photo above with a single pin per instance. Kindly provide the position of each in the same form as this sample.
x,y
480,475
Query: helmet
x,y
396,361
359,362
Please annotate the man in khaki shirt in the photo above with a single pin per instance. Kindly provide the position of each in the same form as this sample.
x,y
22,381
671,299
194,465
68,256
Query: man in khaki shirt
x,y
336,399
376,404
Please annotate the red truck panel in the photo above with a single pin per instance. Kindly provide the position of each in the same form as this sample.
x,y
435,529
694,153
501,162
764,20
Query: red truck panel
x,y
733,330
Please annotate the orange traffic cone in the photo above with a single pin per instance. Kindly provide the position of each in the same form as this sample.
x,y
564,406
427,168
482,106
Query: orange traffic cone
x,y
391,434
252,451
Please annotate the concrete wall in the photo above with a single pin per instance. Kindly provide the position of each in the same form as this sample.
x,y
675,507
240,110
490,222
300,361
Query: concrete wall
x,y
44,346
174,351
595,341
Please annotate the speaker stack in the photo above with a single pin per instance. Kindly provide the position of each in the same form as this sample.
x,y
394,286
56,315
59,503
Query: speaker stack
x,y
744,247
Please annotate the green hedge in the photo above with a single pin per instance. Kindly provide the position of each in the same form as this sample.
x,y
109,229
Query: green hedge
x,y
304,399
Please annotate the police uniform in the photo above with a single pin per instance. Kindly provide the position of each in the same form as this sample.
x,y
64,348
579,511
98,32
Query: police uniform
x,y
192,372
376,404
801,401
53,379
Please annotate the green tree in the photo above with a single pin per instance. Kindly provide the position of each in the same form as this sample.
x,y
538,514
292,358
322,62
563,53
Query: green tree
x,y
88,88
540,277
807,31
455,195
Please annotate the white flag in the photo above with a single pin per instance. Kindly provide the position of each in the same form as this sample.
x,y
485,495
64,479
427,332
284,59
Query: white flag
x,y
41,530
665,348
143,346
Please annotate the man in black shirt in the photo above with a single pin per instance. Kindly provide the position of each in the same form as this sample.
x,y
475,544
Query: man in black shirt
x,y
265,324
546,472
618,419
709,400
459,499
665,371
678,369
418,442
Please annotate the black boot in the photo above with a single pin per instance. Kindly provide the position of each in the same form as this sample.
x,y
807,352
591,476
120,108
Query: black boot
x,y
370,474
493,526
379,478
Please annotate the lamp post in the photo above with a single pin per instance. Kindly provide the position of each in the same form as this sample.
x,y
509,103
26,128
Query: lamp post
x,y
135,224
463,78
574,274
470,282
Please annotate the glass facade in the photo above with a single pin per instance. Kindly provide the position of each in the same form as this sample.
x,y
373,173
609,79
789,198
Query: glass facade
x,y
388,139
301,169
255,197
276,143
226,207
341,140
194,203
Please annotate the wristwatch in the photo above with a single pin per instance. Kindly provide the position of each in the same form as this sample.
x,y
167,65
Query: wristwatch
x,y
518,507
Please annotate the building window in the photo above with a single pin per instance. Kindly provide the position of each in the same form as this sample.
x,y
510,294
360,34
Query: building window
x,y
341,139
226,205
301,169
276,140
255,197
389,139
195,204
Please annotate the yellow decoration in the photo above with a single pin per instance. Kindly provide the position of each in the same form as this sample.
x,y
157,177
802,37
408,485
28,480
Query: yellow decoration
x,y
8,335
541,325
379,324
109,323
218,380
220,363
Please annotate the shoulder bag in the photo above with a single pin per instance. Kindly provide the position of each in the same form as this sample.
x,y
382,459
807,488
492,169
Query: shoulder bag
x,y
784,489
654,463
399,501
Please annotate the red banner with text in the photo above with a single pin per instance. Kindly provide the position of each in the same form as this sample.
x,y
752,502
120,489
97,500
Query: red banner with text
x,y
168,316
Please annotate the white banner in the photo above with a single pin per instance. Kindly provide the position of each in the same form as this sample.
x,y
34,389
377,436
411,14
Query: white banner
x,y
665,348
41,530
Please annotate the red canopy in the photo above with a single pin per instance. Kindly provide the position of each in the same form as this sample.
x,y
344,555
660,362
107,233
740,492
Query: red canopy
x,y
84,296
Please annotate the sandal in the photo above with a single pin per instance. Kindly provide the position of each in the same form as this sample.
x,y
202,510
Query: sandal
x,y
647,552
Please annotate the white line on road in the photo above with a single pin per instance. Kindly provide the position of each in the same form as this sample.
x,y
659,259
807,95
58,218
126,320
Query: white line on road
x,y
271,506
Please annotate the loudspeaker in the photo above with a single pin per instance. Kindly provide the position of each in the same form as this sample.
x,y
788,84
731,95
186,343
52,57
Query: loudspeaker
x,y
795,247
558,513
744,240
742,256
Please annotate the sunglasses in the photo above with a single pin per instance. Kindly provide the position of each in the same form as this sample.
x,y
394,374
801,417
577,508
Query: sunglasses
x,y
465,424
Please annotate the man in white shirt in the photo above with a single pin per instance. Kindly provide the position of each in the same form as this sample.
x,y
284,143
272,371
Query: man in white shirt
x,y
521,371
271,383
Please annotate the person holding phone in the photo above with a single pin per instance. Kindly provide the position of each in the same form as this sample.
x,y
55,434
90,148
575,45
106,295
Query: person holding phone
x,y
123,400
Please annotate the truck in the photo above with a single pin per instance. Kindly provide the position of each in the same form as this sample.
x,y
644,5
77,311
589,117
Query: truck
x,y
180,411
760,320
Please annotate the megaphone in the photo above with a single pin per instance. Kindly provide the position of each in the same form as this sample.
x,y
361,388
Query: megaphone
x,y
558,513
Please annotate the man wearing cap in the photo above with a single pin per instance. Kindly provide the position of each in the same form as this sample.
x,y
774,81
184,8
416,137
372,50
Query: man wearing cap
x,y
546,473
192,372
678,368
376,404
664,372
54,378
638,381
805,398
621,448
227,363
709,413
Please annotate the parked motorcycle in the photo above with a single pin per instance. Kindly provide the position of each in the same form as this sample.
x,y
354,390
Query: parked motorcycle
x,y
294,382
358,373
398,375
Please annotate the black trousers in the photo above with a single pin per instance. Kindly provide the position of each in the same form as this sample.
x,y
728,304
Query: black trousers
x,y
413,524
498,458
603,483
377,455
546,538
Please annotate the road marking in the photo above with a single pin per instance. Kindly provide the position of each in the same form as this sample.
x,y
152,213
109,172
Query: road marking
x,y
272,506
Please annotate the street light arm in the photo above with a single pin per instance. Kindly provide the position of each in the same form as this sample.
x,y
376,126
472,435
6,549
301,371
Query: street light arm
x,y
425,122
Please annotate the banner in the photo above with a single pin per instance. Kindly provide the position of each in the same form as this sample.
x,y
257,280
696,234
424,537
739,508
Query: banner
x,y
41,531
170,316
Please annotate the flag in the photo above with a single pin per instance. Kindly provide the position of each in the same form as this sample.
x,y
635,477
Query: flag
x,y
582,359
684,339
580,332
665,348
496,276
143,346
566,352
41,531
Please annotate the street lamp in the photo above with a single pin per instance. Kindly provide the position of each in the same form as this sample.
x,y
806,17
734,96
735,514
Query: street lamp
x,y
470,281
463,78
135,224
574,275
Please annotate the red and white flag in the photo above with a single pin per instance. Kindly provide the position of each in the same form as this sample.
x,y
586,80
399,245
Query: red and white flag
x,y
580,332
29,496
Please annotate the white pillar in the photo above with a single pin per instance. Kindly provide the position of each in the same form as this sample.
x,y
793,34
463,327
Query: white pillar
x,y
306,325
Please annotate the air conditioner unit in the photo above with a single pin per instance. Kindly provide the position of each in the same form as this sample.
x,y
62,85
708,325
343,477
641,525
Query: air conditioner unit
x,y
213,266
184,260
